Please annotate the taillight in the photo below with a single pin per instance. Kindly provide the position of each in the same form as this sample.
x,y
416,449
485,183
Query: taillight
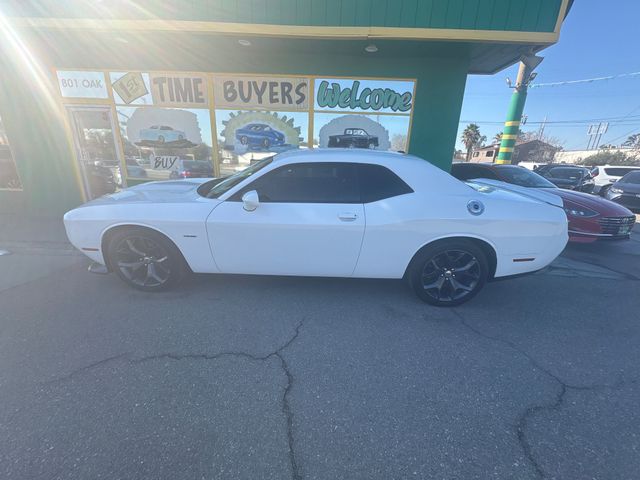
x,y
185,174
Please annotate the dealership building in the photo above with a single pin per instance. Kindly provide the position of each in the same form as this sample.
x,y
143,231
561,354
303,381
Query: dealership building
x,y
99,95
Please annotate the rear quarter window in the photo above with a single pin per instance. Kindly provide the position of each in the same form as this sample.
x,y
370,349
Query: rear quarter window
x,y
378,182
618,172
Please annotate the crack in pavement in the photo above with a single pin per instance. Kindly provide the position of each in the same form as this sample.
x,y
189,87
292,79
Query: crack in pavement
x,y
278,353
529,412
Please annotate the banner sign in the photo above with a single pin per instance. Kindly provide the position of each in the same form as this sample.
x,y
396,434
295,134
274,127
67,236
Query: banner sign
x,y
179,90
164,162
391,96
130,87
79,84
262,93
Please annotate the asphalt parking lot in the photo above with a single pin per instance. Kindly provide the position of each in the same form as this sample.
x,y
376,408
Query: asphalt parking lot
x,y
241,377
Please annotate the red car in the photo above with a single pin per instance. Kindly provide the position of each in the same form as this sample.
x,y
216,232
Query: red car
x,y
590,218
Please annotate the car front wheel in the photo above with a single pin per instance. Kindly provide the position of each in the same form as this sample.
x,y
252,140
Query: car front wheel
x,y
449,273
145,259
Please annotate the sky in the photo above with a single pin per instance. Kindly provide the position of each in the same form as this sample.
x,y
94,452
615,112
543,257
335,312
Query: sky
x,y
597,39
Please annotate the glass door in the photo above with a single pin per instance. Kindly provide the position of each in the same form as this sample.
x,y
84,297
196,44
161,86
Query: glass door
x,y
96,151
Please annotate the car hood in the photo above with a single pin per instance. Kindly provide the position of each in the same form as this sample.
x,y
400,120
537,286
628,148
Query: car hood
x,y
628,187
598,204
540,194
176,191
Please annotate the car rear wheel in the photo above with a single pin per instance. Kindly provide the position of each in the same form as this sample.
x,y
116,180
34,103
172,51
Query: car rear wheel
x,y
449,273
145,259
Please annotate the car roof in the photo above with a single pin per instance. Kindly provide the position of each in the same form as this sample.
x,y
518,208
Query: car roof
x,y
345,155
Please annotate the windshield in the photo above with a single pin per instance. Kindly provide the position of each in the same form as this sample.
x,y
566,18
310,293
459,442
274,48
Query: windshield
x,y
523,177
231,181
633,177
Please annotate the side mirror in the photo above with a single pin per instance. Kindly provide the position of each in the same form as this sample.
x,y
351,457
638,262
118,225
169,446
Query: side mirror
x,y
250,201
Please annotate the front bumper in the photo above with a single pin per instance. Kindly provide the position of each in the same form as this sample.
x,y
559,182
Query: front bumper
x,y
602,228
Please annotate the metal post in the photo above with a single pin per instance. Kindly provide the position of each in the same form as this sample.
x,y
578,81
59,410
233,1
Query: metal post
x,y
516,107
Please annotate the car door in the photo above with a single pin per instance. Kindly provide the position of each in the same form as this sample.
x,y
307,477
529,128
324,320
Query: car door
x,y
310,221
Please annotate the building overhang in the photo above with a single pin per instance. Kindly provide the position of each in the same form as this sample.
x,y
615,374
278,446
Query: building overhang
x,y
495,41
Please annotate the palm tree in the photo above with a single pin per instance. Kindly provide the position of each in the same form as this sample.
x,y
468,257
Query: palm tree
x,y
632,141
497,138
470,138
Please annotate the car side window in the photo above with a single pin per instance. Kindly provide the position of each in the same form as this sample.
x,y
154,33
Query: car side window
x,y
378,182
468,172
306,183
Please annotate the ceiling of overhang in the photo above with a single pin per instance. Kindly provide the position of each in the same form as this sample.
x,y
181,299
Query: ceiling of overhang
x,y
185,51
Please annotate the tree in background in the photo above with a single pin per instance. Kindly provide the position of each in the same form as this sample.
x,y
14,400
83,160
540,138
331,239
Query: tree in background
x,y
610,157
535,135
497,138
398,142
632,141
471,137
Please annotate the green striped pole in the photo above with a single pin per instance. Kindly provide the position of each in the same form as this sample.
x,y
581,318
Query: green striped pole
x,y
516,107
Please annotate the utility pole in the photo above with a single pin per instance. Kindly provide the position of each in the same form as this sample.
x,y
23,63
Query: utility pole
x,y
541,131
516,106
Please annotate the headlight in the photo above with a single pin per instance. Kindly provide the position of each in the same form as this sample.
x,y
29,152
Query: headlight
x,y
615,190
580,212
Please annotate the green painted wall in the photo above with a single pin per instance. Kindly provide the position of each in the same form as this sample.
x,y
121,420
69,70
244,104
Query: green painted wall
x,y
512,15
40,148
45,159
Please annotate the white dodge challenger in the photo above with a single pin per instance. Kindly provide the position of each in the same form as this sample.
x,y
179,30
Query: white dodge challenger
x,y
331,213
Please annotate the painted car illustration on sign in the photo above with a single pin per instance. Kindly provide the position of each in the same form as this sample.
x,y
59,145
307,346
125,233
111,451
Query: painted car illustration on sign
x,y
353,138
161,134
259,135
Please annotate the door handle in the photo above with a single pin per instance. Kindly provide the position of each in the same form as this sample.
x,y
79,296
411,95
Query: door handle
x,y
347,216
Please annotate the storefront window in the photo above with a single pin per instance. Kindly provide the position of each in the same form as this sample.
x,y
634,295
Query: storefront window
x,y
9,179
169,127
372,114
166,143
247,136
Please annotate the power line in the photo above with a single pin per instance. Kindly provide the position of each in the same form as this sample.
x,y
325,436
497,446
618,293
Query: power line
x,y
630,119
584,80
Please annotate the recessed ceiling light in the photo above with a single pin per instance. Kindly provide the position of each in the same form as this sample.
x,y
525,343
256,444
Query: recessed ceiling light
x,y
371,48
244,43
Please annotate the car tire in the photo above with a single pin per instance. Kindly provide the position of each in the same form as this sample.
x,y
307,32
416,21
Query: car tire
x,y
603,190
448,272
145,259
372,145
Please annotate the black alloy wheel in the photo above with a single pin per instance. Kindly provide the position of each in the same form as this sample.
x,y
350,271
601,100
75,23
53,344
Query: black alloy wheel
x,y
449,273
145,260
